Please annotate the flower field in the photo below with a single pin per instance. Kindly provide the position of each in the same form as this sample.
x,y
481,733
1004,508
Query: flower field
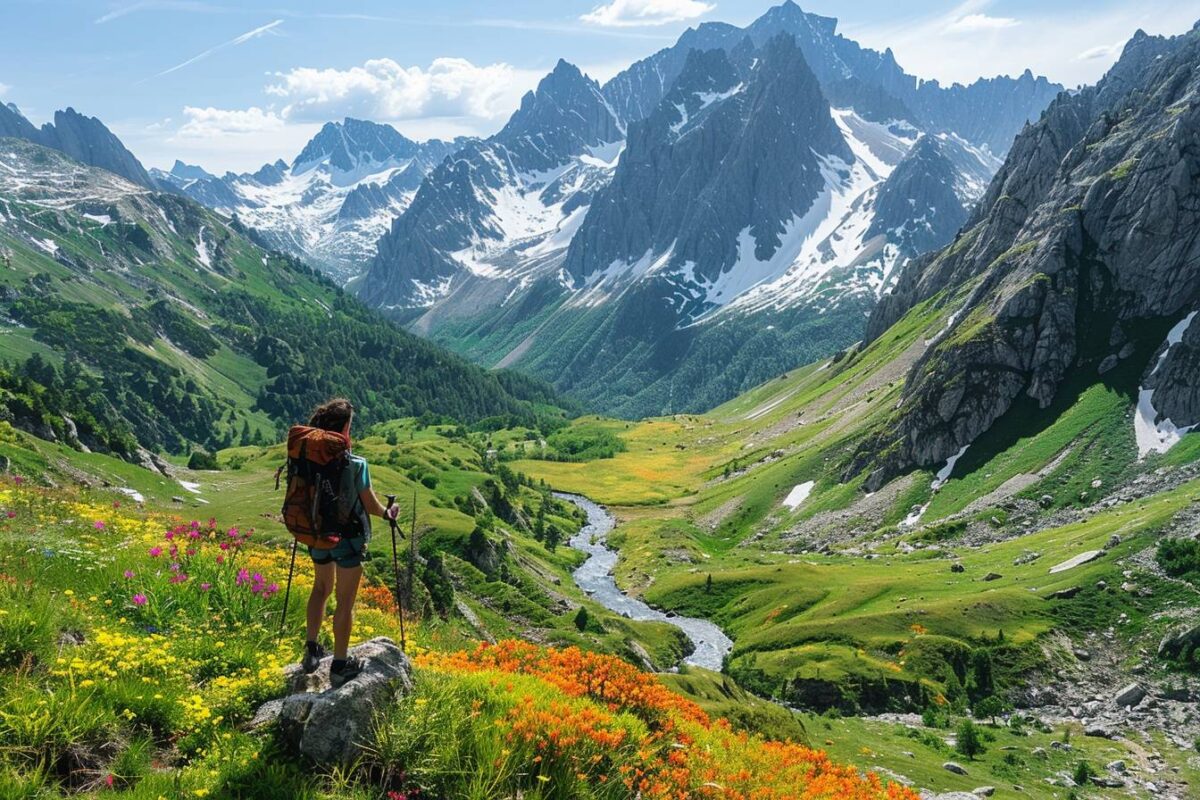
x,y
134,647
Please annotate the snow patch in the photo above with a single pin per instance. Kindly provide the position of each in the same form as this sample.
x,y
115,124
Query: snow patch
x,y
1154,436
943,474
202,249
49,245
132,494
103,219
194,488
798,494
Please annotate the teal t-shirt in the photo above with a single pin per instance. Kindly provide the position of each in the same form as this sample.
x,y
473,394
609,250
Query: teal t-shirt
x,y
362,473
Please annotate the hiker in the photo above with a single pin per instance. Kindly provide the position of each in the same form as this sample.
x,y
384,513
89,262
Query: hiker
x,y
328,507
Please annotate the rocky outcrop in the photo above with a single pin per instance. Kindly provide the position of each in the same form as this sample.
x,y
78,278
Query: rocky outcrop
x,y
331,726
1089,234
83,138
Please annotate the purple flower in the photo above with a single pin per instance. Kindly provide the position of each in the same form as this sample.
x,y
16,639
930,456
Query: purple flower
x,y
139,599
180,578
155,552
204,587
98,524
129,574
243,576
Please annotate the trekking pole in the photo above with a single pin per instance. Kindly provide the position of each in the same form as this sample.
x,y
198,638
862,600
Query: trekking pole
x,y
391,498
287,594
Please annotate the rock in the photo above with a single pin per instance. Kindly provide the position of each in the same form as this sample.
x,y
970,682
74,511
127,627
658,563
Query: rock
x,y
1129,587
1027,557
1179,643
993,576
1113,541
927,795
1064,594
1110,361
1106,782
1057,745
957,769
1102,585
329,725
957,567
1131,695
1116,766
1083,655
984,791
1038,752
1098,732
1046,500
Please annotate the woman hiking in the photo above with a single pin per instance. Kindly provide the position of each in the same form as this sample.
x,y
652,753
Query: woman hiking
x,y
337,567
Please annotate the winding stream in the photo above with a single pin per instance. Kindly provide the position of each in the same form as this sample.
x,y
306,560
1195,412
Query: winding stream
x,y
595,577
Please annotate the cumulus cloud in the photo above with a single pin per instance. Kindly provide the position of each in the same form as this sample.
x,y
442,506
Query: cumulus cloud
x,y
626,13
975,23
208,123
383,89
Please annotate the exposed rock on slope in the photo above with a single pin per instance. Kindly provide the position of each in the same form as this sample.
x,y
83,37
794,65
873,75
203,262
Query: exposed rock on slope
x,y
1086,243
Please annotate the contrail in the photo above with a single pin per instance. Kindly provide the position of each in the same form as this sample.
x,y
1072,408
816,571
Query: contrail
x,y
234,42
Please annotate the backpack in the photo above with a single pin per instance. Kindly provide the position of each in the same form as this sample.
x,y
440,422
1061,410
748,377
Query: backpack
x,y
321,505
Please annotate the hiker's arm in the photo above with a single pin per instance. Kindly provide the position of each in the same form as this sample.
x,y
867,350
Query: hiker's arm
x,y
371,503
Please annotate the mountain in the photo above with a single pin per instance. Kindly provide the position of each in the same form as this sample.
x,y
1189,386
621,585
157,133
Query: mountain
x,y
83,138
331,204
988,112
742,226
141,321
517,195
1084,253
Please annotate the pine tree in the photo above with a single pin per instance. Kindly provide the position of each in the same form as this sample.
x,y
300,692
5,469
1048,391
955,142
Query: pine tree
x,y
969,742
581,619
708,583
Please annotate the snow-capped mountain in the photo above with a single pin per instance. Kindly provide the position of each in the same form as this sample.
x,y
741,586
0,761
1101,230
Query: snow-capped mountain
x,y
331,204
501,208
742,220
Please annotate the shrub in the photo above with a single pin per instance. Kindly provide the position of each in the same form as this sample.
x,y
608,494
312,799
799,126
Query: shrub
x,y
202,460
969,742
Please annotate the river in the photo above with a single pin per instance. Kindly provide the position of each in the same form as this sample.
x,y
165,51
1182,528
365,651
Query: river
x,y
595,577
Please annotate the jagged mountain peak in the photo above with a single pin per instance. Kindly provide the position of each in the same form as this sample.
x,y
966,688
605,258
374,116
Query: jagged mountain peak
x,y
189,171
353,144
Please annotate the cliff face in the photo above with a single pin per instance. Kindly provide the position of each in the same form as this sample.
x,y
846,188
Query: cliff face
x,y
1087,238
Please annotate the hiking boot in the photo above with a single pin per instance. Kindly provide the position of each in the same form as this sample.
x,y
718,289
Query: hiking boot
x,y
313,653
340,673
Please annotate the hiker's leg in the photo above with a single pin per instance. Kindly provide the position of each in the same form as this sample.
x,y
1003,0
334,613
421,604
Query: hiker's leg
x,y
343,615
322,587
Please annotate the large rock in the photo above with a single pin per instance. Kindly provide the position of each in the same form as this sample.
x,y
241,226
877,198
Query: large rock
x,y
1131,695
331,726
1179,643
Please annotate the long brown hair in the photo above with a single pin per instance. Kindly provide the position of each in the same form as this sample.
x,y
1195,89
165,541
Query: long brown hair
x,y
332,415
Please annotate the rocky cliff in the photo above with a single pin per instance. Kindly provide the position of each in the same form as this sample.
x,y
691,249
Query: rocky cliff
x,y
1084,251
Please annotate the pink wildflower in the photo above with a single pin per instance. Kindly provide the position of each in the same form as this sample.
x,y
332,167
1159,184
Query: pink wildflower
x,y
139,599
98,524
155,551
129,574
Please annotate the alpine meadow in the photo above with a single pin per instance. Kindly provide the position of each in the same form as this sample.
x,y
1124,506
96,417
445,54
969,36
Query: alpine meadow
x,y
600,401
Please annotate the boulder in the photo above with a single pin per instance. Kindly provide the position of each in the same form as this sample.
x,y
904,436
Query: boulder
x,y
1064,594
331,726
1179,643
984,791
1131,695
993,576
957,567
957,769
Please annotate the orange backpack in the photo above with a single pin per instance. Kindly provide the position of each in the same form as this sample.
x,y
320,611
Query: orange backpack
x,y
321,505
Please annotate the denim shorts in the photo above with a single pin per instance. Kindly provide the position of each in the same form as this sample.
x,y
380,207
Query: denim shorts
x,y
348,553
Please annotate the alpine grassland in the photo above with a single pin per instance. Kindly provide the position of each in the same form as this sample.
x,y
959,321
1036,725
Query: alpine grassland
x,y
136,643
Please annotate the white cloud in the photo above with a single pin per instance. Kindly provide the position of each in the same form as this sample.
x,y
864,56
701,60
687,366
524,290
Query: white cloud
x,y
208,123
622,13
974,23
1108,52
4,87
1050,40
383,89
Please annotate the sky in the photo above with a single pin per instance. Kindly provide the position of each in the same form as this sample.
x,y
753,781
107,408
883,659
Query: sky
x,y
232,84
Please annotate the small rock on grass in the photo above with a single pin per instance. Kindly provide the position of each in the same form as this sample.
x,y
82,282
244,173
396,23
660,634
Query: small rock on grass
x,y
957,769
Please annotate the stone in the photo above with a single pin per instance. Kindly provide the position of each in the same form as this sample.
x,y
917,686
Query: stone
x,y
993,576
1179,643
1110,361
957,567
330,726
1038,752
957,769
984,791
1107,782
1083,655
1098,732
1113,541
1116,766
1064,594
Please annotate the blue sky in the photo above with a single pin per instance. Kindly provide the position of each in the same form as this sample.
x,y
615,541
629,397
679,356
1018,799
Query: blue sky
x,y
231,84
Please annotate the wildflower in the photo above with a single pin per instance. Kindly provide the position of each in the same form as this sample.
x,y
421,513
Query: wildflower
x,y
98,524
243,576
69,592
139,599
155,551
178,578
10,514
18,480
108,780
204,587
129,574
220,559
